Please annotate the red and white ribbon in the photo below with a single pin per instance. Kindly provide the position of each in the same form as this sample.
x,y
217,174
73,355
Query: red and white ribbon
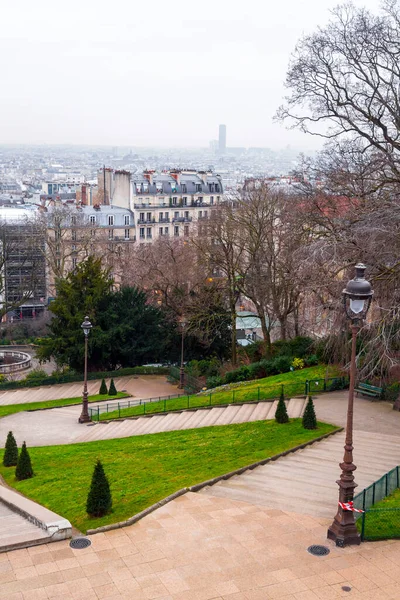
x,y
349,506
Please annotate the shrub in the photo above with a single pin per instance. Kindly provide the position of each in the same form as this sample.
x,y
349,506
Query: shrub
x,y
241,374
339,383
24,466
391,392
297,363
36,374
299,346
281,364
281,415
103,388
309,418
258,370
311,361
113,390
213,382
10,457
99,500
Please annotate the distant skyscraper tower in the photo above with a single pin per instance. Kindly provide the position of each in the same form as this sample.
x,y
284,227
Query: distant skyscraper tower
x,y
222,139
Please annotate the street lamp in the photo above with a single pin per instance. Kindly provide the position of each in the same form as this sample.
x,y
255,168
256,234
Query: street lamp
x,y
181,385
357,298
84,418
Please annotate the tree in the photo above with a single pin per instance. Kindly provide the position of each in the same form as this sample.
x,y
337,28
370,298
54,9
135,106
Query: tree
x,y
346,76
24,466
309,418
82,292
113,390
222,258
281,415
99,500
133,331
103,388
174,280
10,457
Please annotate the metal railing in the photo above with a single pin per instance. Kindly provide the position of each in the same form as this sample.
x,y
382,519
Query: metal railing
x,y
95,412
179,402
378,523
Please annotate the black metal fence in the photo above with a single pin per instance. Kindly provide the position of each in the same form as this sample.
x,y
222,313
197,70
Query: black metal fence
x,y
377,523
221,397
192,384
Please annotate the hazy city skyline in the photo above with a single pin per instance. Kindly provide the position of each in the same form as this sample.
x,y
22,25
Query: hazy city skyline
x,y
150,75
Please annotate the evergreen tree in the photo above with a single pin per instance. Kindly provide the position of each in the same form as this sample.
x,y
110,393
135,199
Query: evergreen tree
x,y
113,390
99,501
24,467
103,388
309,417
281,415
10,457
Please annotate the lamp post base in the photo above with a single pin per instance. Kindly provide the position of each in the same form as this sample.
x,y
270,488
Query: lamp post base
x,y
181,385
84,418
343,531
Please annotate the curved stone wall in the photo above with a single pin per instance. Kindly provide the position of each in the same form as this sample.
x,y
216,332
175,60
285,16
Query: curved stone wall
x,y
18,361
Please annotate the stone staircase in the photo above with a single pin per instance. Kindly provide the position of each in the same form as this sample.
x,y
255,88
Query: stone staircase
x,y
190,419
25,523
305,481
18,532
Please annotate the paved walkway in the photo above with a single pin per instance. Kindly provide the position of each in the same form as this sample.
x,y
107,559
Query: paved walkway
x,y
202,548
141,386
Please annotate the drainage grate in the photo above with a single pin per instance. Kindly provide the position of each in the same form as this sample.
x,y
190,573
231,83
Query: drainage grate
x,y
346,588
80,543
318,550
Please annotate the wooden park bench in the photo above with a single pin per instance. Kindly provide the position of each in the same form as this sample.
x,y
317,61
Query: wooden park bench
x,y
369,390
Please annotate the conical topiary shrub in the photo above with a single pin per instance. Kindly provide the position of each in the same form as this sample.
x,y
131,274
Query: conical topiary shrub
x,y
24,467
103,388
99,499
281,415
113,390
309,417
10,457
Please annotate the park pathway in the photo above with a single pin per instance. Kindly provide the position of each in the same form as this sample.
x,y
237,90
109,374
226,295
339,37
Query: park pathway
x,y
140,386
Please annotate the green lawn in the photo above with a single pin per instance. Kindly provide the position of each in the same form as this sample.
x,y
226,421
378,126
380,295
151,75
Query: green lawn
x,y
144,469
382,521
257,389
10,409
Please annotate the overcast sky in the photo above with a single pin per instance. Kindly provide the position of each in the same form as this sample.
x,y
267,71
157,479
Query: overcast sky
x,y
155,72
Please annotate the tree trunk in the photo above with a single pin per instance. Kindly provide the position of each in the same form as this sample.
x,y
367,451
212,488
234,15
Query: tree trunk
x,y
266,334
283,324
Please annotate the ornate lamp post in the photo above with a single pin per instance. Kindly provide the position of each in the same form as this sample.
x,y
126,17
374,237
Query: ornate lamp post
x,y
357,298
182,369
84,418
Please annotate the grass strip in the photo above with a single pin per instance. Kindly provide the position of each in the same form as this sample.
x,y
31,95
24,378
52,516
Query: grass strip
x,y
9,409
258,389
144,469
382,521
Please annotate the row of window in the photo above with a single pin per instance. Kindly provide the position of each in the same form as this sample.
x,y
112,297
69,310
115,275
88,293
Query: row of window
x,y
111,220
146,233
175,200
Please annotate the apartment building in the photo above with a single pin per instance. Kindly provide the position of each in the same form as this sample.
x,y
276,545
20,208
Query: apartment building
x,y
73,232
171,204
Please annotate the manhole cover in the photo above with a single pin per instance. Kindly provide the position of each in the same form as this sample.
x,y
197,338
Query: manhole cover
x,y
346,588
318,550
80,543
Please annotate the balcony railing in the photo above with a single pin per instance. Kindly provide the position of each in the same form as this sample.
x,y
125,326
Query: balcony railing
x,y
167,220
146,221
182,219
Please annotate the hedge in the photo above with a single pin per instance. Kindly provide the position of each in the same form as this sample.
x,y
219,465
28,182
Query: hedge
x,y
72,377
